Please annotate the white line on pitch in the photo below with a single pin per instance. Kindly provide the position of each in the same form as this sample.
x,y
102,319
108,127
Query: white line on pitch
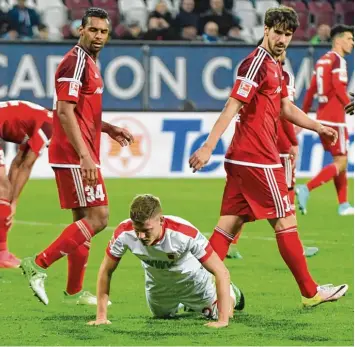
x,y
243,236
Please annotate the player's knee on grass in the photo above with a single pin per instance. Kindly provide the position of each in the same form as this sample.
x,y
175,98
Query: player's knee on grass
x,y
97,217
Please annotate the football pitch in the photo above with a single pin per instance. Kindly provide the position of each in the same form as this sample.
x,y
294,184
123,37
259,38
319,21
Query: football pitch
x,y
273,315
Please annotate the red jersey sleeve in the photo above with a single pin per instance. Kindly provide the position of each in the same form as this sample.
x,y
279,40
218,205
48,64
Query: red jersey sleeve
x,y
308,98
39,140
289,130
340,80
251,75
69,77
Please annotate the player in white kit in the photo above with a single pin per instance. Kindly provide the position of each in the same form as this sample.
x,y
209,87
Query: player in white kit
x,y
180,266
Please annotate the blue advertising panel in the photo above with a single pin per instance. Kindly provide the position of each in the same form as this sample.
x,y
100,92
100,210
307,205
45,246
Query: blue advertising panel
x,y
147,77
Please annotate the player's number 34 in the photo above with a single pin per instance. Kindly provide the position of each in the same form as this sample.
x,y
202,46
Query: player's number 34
x,y
94,193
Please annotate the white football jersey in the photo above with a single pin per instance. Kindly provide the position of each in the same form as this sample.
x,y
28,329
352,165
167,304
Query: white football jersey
x,y
173,262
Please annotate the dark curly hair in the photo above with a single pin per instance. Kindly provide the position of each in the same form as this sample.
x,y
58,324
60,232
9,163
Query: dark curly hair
x,y
283,17
94,12
341,29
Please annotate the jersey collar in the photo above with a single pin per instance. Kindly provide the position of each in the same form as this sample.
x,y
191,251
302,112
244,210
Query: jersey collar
x,y
265,50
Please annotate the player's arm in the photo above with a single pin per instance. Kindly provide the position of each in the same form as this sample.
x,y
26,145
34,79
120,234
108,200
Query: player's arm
x,y
296,116
121,135
108,266
203,154
339,80
308,98
14,167
20,176
215,266
67,118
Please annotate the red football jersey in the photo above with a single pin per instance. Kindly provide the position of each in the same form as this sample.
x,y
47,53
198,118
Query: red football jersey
x,y
25,123
286,131
260,87
329,82
77,80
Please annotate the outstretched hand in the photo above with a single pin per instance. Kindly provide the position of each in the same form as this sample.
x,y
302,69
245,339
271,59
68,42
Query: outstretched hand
x,y
121,135
200,158
329,134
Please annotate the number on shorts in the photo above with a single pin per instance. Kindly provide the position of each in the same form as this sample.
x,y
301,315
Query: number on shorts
x,y
91,195
287,203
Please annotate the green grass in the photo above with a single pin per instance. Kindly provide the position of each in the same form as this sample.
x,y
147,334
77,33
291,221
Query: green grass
x,y
273,314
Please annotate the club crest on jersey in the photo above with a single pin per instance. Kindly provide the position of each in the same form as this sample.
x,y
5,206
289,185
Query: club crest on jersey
x,y
74,89
244,89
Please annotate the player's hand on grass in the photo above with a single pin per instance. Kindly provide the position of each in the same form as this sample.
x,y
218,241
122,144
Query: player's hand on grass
x,y
121,135
99,322
216,325
88,170
329,134
349,108
9,219
200,158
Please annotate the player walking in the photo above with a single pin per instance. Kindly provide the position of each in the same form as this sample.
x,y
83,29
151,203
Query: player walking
x,y
329,82
256,186
74,156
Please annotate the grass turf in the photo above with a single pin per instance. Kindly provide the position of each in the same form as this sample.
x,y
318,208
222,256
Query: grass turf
x,y
273,315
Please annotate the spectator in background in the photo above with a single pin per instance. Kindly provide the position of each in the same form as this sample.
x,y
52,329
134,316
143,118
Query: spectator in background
x,y
133,31
43,33
218,14
172,5
211,32
160,24
4,23
186,16
159,29
202,6
74,30
189,33
322,36
23,20
234,34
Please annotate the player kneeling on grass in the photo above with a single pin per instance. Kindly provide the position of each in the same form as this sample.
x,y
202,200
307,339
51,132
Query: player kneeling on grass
x,y
172,251
30,126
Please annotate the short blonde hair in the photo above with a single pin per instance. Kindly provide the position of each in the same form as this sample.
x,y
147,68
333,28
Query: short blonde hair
x,y
144,207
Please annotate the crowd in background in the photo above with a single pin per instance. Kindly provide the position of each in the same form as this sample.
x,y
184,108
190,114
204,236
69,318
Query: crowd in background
x,y
189,20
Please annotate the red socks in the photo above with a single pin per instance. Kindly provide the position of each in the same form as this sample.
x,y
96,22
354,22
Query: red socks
x,y
5,211
341,185
291,250
326,174
68,241
77,262
220,242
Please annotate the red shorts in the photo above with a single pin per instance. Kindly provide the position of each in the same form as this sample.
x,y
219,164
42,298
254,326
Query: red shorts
x,y
341,146
73,193
255,193
290,170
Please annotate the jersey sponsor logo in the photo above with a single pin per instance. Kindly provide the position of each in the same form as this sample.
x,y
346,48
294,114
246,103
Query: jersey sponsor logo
x,y
130,160
244,89
99,90
159,264
74,89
